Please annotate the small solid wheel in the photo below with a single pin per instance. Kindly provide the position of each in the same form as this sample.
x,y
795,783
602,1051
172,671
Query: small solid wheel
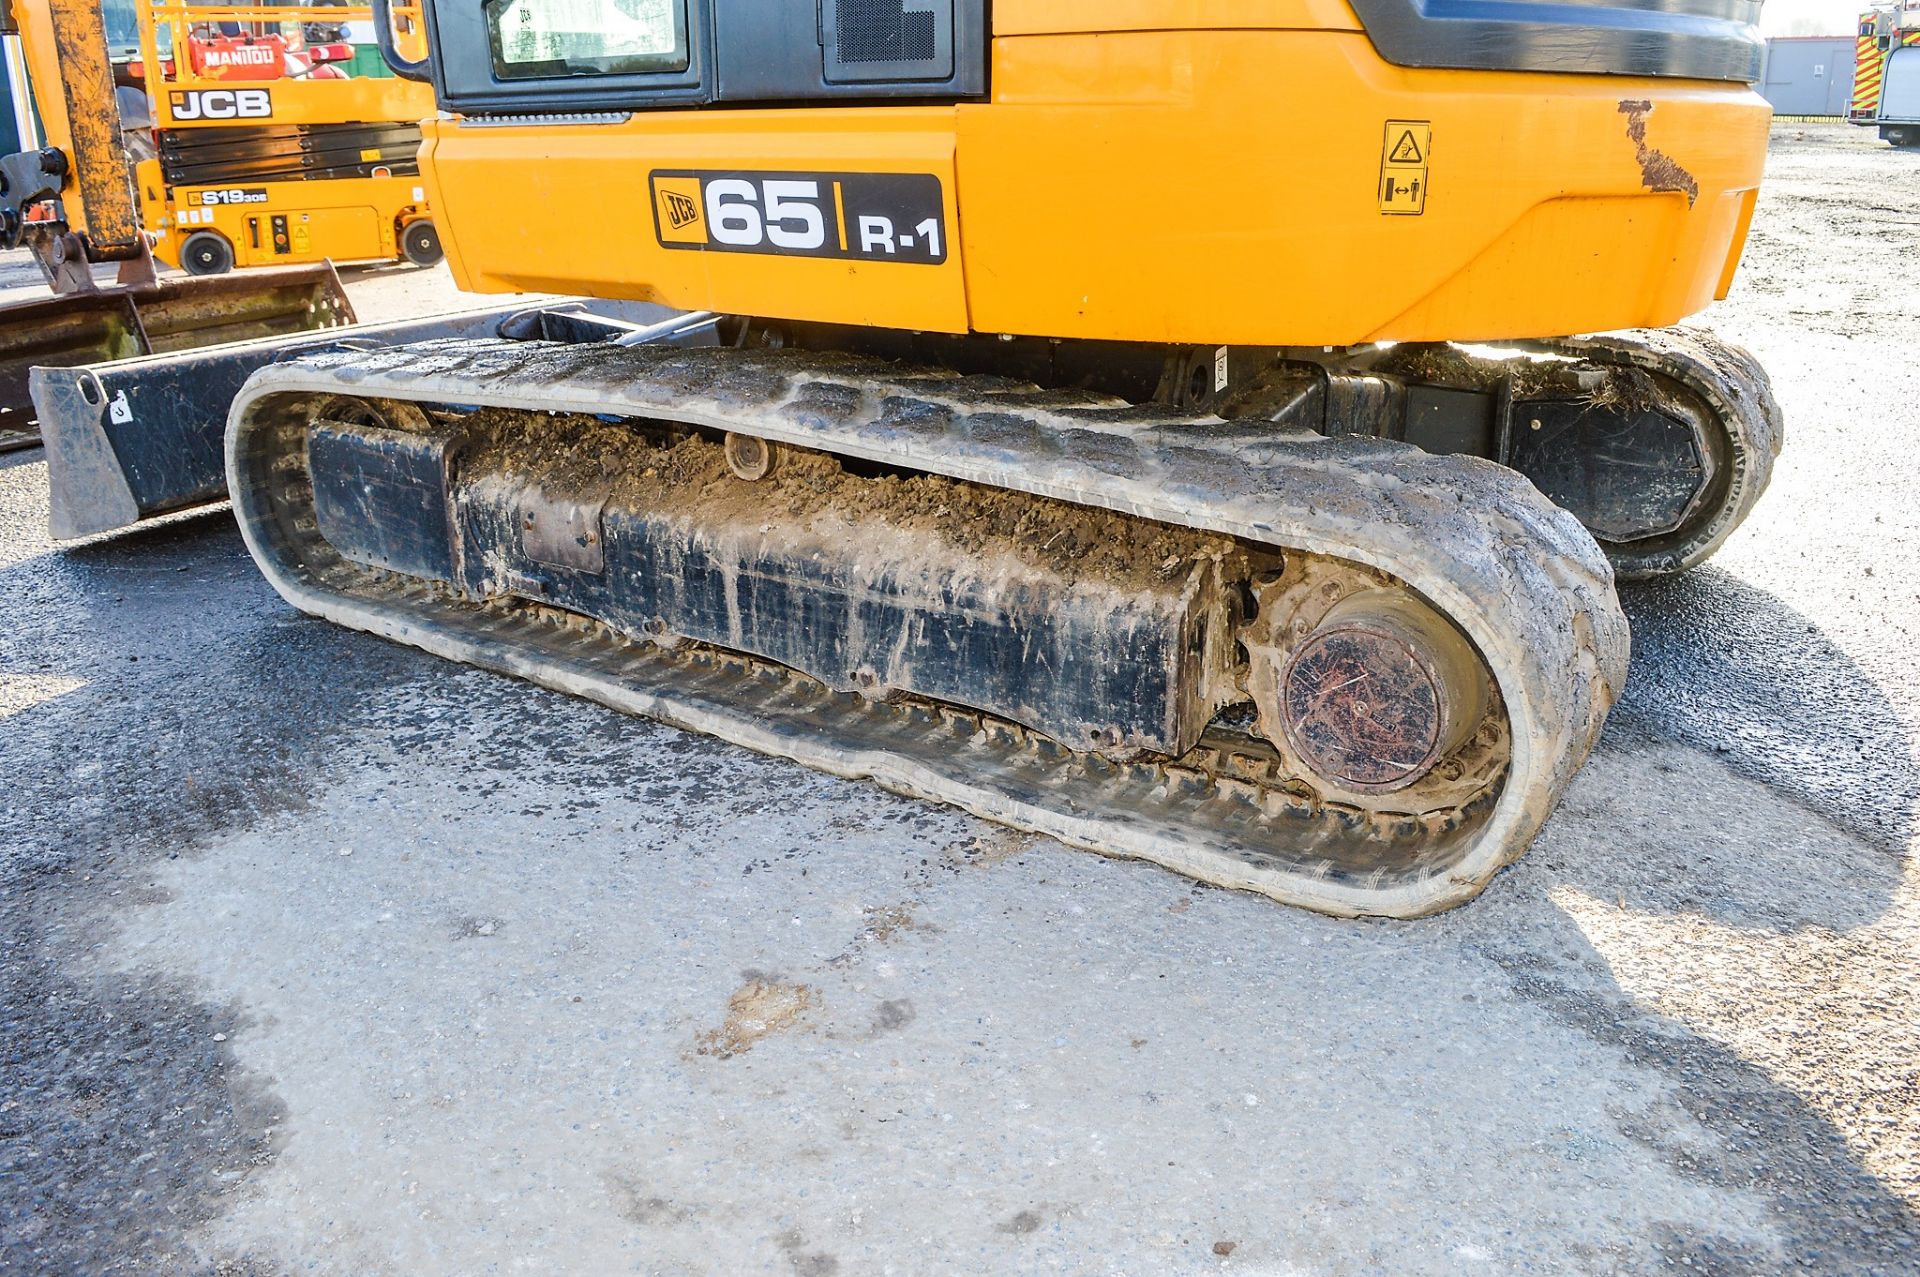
x,y
420,241
749,458
206,253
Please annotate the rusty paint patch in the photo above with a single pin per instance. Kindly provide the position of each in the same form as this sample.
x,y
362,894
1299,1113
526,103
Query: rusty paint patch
x,y
1658,171
95,144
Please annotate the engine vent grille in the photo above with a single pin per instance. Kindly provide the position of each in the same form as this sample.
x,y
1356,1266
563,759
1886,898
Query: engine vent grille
x,y
874,40
883,31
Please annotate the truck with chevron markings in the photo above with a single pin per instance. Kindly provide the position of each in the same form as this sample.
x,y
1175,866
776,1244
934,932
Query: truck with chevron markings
x,y
1886,73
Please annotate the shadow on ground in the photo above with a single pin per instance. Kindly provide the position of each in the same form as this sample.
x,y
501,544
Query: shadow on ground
x,y
1723,665
202,705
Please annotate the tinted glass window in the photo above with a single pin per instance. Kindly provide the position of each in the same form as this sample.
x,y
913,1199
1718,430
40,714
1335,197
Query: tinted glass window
x,y
538,39
123,28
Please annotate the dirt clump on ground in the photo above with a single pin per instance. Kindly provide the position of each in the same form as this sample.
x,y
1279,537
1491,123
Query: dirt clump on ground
x,y
758,1009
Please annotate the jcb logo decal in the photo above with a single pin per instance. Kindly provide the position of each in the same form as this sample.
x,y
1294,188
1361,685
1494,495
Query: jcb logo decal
x,y
678,201
681,212
221,104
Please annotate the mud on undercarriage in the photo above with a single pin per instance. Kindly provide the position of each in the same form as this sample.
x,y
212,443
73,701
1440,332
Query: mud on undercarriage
x,y
1343,672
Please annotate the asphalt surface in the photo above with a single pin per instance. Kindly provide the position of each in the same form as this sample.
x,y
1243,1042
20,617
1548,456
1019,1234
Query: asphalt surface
x,y
319,956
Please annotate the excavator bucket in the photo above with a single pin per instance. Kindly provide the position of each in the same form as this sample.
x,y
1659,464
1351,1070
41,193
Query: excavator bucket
x,y
98,325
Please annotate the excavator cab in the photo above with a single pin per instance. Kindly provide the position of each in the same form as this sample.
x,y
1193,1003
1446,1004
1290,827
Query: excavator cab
x,y
1160,425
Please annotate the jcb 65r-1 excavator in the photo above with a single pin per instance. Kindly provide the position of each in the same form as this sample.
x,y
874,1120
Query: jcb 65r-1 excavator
x,y
1150,423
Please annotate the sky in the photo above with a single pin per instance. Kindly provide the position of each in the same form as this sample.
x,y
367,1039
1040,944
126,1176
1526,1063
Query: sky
x,y
1813,17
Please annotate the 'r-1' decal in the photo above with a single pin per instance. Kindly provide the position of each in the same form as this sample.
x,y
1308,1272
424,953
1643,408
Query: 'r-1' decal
x,y
884,217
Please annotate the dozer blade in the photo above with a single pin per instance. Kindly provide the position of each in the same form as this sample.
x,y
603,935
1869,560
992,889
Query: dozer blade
x,y
171,315
1344,673
135,439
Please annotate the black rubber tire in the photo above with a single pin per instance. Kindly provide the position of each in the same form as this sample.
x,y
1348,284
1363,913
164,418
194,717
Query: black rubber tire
x,y
420,242
206,253
1904,138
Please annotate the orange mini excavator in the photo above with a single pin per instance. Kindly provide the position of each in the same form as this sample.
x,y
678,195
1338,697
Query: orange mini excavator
x,y
1158,424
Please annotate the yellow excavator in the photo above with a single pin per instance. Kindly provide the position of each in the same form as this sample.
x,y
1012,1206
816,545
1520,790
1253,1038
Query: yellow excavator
x,y
1163,425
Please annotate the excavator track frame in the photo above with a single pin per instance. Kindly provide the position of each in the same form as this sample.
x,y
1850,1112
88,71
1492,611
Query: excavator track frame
x,y
1519,577
1444,398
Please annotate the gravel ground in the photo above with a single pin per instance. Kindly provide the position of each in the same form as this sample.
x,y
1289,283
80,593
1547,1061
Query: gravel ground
x,y
318,956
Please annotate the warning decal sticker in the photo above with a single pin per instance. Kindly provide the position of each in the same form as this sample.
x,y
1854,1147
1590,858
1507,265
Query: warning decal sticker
x,y
1404,154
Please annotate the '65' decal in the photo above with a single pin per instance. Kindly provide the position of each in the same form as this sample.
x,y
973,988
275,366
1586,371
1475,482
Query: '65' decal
x,y
220,104
882,217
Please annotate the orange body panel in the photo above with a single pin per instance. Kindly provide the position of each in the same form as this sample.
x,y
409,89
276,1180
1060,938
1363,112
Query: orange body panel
x,y
293,100
1186,174
580,219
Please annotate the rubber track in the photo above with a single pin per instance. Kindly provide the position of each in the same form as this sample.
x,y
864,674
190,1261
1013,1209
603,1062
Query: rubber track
x,y
1521,577
1737,391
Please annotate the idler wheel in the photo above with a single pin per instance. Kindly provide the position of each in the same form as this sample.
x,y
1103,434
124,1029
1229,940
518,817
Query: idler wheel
x,y
750,458
1378,693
